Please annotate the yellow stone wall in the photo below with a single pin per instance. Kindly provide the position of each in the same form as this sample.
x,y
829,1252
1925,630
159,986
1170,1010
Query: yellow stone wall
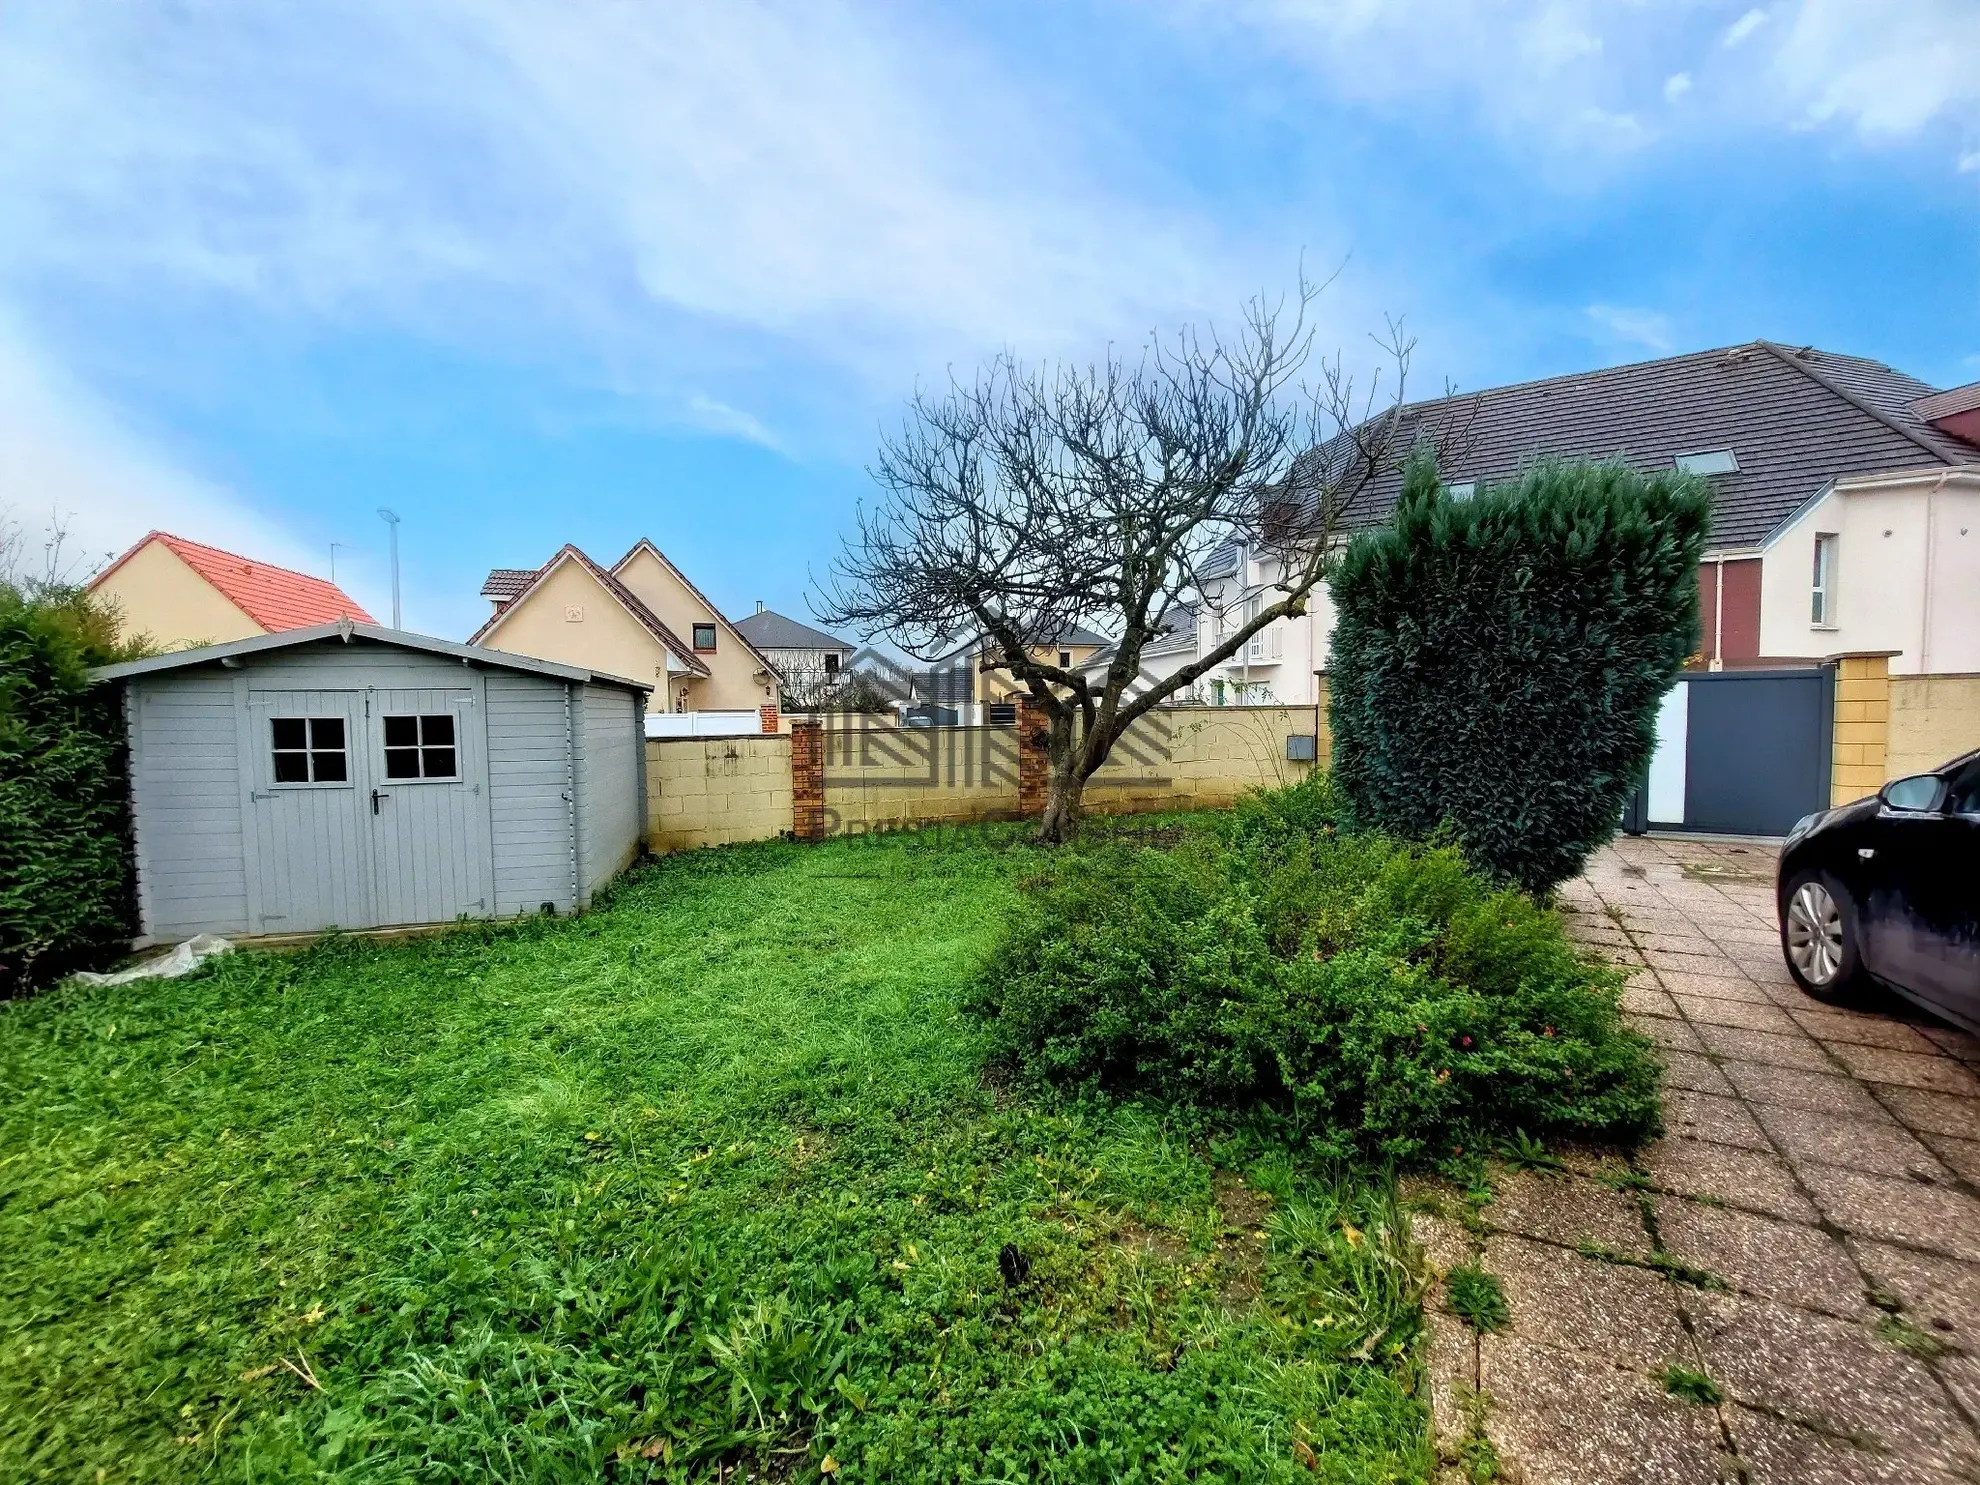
x,y
1934,719
1863,725
712,791
887,777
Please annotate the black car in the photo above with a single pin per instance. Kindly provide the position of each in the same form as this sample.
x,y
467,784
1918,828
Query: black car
x,y
1889,888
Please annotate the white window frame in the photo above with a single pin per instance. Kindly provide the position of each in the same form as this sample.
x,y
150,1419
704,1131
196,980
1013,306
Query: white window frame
x,y
1822,582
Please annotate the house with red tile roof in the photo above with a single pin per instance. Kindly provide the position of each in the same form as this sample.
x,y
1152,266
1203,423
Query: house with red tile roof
x,y
180,594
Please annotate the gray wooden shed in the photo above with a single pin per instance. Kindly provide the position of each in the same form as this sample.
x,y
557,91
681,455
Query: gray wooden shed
x,y
350,776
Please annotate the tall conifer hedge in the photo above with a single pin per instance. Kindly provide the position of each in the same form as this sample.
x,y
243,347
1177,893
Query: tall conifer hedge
x,y
1498,662
65,859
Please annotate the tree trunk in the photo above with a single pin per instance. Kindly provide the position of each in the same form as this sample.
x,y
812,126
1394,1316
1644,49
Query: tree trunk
x,y
1063,789
1063,784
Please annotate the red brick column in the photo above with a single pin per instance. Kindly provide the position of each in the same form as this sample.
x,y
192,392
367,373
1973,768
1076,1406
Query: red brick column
x,y
1034,730
767,717
807,779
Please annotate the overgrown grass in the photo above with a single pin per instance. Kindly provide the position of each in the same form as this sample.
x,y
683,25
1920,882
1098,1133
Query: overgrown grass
x,y
710,1174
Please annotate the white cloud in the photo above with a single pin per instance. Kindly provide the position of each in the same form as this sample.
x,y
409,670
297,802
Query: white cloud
x,y
1676,86
68,461
1889,70
714,416
1643,327
831,177
1742,28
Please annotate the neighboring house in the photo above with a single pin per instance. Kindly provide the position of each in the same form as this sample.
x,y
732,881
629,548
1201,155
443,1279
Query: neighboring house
x,y
1846,504
177,593
641,618
809,660
347,776
1164,655
1070,651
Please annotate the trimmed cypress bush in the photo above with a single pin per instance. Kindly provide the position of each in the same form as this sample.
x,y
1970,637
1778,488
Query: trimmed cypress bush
x,y
65,860
1498,662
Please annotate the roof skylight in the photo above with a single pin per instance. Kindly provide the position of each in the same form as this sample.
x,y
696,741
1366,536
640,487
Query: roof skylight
x,y
1709,461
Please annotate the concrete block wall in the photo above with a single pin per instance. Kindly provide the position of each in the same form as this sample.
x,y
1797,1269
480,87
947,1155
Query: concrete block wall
x,y
712,791
1933,719
1862,726
907,776
1204,757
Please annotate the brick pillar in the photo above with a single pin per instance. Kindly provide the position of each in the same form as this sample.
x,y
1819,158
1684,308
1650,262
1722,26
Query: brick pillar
x,y
1862,726
1034,736
807,779
766,717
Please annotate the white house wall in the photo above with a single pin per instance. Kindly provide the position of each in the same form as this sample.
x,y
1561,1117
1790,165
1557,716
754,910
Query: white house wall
x,y
1881,591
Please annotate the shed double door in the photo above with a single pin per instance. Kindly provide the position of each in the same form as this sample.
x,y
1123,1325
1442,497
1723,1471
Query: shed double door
x,y
368,808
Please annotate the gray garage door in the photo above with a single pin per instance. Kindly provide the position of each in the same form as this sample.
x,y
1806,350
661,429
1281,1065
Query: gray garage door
x,y
1740,752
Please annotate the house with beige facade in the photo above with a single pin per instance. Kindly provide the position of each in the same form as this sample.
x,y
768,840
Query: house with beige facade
x,y
640,618
178,594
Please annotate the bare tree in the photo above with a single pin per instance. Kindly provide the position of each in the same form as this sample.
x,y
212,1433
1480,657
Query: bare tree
x,y
1032,501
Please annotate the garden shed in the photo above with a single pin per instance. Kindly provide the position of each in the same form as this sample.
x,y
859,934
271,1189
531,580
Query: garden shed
x,y
349,776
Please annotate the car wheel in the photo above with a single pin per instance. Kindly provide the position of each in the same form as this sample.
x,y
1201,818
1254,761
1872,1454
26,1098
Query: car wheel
x,y
1818,936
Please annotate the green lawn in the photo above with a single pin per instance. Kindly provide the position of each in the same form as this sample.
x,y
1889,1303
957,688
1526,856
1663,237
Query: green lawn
x,y
712,1174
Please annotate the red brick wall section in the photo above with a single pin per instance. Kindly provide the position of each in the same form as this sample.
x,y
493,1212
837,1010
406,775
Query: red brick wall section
x,y
767,718
807,780
1034,730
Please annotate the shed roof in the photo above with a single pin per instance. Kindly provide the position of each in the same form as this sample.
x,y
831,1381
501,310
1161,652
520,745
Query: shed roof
x,y
351,633
274,597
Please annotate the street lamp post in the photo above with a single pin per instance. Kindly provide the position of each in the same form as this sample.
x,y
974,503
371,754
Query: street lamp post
x,y
392,524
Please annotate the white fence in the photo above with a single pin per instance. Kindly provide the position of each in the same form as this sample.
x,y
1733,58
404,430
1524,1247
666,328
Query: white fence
x,y
703,724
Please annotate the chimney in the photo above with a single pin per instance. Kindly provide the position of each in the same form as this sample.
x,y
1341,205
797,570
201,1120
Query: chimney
x,y
759,605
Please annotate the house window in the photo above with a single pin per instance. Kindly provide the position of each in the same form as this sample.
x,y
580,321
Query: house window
x,y
1822,604
704,636
1065,659
1709,461
831,662
1462,489
309,750
421,748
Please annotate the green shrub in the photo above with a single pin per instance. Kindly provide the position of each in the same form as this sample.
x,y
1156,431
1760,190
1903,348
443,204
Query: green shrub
x,y
65,864
1388,998
1498,662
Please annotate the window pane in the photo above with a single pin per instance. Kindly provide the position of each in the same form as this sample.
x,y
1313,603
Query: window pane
x,y
326,732
439,762
437,731
292,768
328,767
288,732
402,763
704,636
402,732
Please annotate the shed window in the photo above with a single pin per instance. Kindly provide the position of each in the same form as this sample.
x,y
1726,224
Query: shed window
x,y
309,750
704,636
1822,603
420,747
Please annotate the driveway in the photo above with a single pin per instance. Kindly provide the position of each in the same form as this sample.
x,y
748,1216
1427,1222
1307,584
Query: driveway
x,y
1786,1287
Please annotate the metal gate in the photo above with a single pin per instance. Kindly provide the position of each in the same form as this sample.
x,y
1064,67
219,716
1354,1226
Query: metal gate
x,y
1739,752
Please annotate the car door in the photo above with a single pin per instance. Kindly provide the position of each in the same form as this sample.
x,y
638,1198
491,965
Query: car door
x,y
1942,881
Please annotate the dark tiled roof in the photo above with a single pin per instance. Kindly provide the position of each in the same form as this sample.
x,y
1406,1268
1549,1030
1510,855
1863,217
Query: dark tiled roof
x,y
770,630
1794,419
506,583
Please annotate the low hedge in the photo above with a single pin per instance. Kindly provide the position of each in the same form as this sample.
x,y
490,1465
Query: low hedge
x,y
1385,996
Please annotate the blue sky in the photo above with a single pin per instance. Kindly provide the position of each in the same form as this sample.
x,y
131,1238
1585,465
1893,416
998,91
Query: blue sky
x,y
531,271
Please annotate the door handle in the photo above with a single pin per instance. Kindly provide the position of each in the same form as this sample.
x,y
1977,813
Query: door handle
x,y
375,797
1864,853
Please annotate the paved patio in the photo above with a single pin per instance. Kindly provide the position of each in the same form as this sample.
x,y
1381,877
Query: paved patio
x,y
1806,1235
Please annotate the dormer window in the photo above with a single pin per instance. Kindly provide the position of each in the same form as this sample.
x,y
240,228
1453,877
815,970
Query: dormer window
x,y
1709,461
